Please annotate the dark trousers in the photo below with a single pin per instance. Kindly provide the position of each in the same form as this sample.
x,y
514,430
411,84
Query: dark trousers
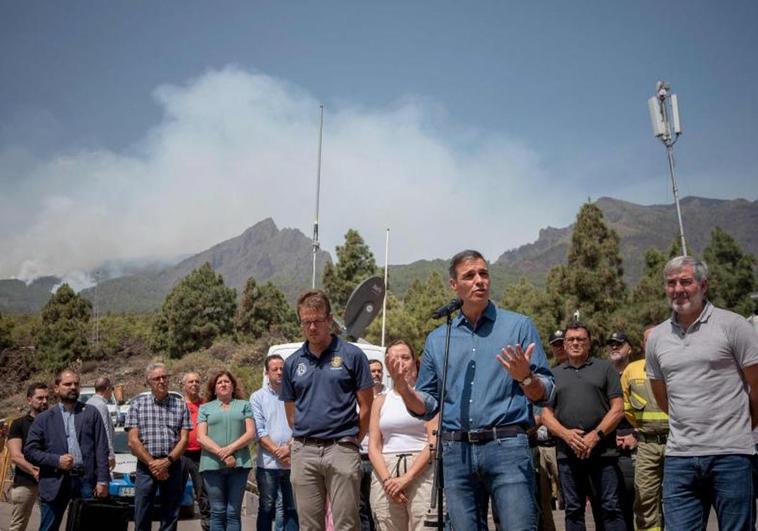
x,y
367,519
578,478
273,483
169,493
51,513
191,469
626,465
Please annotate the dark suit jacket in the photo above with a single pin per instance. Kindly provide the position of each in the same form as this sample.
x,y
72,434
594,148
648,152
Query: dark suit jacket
x,y
47,442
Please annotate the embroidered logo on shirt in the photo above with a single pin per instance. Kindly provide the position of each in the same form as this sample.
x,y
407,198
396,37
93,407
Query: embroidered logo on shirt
x,y
301,368
336,362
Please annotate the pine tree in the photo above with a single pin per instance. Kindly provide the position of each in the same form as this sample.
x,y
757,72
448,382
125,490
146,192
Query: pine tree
x,y
732,277
6,332
525,298
591,283
648,301
265,310
199,309
355,263
62,335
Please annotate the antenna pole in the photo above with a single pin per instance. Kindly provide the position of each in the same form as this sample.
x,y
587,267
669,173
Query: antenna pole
x,y
316,244
386,286
664,109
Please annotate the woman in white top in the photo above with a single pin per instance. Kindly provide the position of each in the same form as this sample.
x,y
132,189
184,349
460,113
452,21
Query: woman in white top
x,y
400,451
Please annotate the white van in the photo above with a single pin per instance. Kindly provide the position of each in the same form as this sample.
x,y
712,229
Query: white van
x,y
373,352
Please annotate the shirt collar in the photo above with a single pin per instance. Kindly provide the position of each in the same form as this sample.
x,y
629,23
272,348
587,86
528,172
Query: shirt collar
x,y
333,347
702,318
588,361
161,402
490,313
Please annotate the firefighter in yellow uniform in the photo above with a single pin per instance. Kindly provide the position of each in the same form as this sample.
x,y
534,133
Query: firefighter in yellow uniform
x,y
652,426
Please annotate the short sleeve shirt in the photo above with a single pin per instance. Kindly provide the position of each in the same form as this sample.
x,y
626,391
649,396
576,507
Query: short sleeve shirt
x,y
324,389
582,398
19,430
708,398
160,422
224,427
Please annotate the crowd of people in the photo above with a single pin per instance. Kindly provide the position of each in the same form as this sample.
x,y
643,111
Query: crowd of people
x,y
650,443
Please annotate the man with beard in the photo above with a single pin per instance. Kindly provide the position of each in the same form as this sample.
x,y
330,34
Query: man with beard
x,y
620,352
24,489
69,444
703,368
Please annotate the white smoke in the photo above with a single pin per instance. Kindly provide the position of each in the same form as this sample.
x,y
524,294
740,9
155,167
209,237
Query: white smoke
x,y
234,147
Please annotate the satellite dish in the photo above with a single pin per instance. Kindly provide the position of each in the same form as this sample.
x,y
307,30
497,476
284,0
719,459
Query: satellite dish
x,y
363,306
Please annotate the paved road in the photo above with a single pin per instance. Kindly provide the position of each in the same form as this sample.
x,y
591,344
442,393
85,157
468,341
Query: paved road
x,y
248,521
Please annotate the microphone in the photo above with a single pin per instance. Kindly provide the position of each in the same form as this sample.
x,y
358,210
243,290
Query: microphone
x,y
447,309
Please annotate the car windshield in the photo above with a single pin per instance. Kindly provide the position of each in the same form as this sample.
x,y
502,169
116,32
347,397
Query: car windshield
x,y
120,444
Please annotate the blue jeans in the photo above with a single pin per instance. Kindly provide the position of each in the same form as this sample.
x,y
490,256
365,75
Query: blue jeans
x,y
51,513
272,482
692,484
226,490
169,492
598,475
501,469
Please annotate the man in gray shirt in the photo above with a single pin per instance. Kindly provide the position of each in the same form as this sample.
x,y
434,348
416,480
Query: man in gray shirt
x,y
100,400
703,370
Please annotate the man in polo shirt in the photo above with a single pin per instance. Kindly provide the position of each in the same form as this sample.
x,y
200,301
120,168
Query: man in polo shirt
x,y
323,383
100,400
583,414
158,425
272,473
191,457
24,489
703,368
496,369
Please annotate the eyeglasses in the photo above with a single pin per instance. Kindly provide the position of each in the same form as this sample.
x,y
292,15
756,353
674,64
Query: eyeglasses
x,y
576,339
159,378
307,324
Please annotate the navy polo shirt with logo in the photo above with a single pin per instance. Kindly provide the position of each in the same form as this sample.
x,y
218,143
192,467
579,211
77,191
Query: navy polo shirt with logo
x,y
324,389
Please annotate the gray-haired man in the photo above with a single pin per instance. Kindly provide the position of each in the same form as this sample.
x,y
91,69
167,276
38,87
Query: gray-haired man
x,y
703,370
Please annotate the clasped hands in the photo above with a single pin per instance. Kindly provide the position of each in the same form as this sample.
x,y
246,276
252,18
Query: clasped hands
x,y
580,442
394,488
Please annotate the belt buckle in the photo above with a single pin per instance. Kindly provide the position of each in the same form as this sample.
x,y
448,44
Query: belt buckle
x,y
474,436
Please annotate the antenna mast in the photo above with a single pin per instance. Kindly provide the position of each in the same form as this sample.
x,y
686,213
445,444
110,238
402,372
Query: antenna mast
x,y
386,285
664,117
316,245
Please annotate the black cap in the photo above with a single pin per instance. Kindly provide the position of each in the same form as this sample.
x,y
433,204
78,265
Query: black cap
x,y
556,336
617,337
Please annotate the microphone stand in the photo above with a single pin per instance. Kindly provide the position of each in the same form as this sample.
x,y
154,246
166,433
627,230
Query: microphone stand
x,y
438,483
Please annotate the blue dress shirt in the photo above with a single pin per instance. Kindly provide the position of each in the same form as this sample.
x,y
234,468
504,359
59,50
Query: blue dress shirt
x,y
480,392
71,440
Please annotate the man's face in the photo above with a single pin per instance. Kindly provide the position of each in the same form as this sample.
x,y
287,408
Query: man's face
x,y
68,388
275,371
558,351
619,351
38,401
316,325
472,281
191,384
377,373
577,344
684,292
157,380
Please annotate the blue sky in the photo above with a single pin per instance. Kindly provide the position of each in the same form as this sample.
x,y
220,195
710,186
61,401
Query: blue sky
x,y
151,129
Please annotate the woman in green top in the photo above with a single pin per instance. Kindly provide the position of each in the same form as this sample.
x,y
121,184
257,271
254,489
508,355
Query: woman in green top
x,y
225,428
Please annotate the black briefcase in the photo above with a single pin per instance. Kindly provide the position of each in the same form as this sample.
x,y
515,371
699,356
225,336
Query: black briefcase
x,y
96,514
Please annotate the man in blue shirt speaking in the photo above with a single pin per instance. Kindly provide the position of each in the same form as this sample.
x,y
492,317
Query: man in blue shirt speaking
x,y
496,369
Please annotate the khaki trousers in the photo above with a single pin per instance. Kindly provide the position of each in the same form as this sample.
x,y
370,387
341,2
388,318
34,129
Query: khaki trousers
x,y
392,516
330,470
648,484
22,499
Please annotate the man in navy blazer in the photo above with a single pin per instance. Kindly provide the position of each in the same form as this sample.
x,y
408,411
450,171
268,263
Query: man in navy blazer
x,y
69,444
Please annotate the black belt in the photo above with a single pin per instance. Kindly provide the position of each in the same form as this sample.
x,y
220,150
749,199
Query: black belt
x,y
659,438
314,441
77,472
485,435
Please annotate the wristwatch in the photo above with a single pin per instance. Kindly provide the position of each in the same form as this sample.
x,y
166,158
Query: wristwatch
x,y
600,433
527,380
